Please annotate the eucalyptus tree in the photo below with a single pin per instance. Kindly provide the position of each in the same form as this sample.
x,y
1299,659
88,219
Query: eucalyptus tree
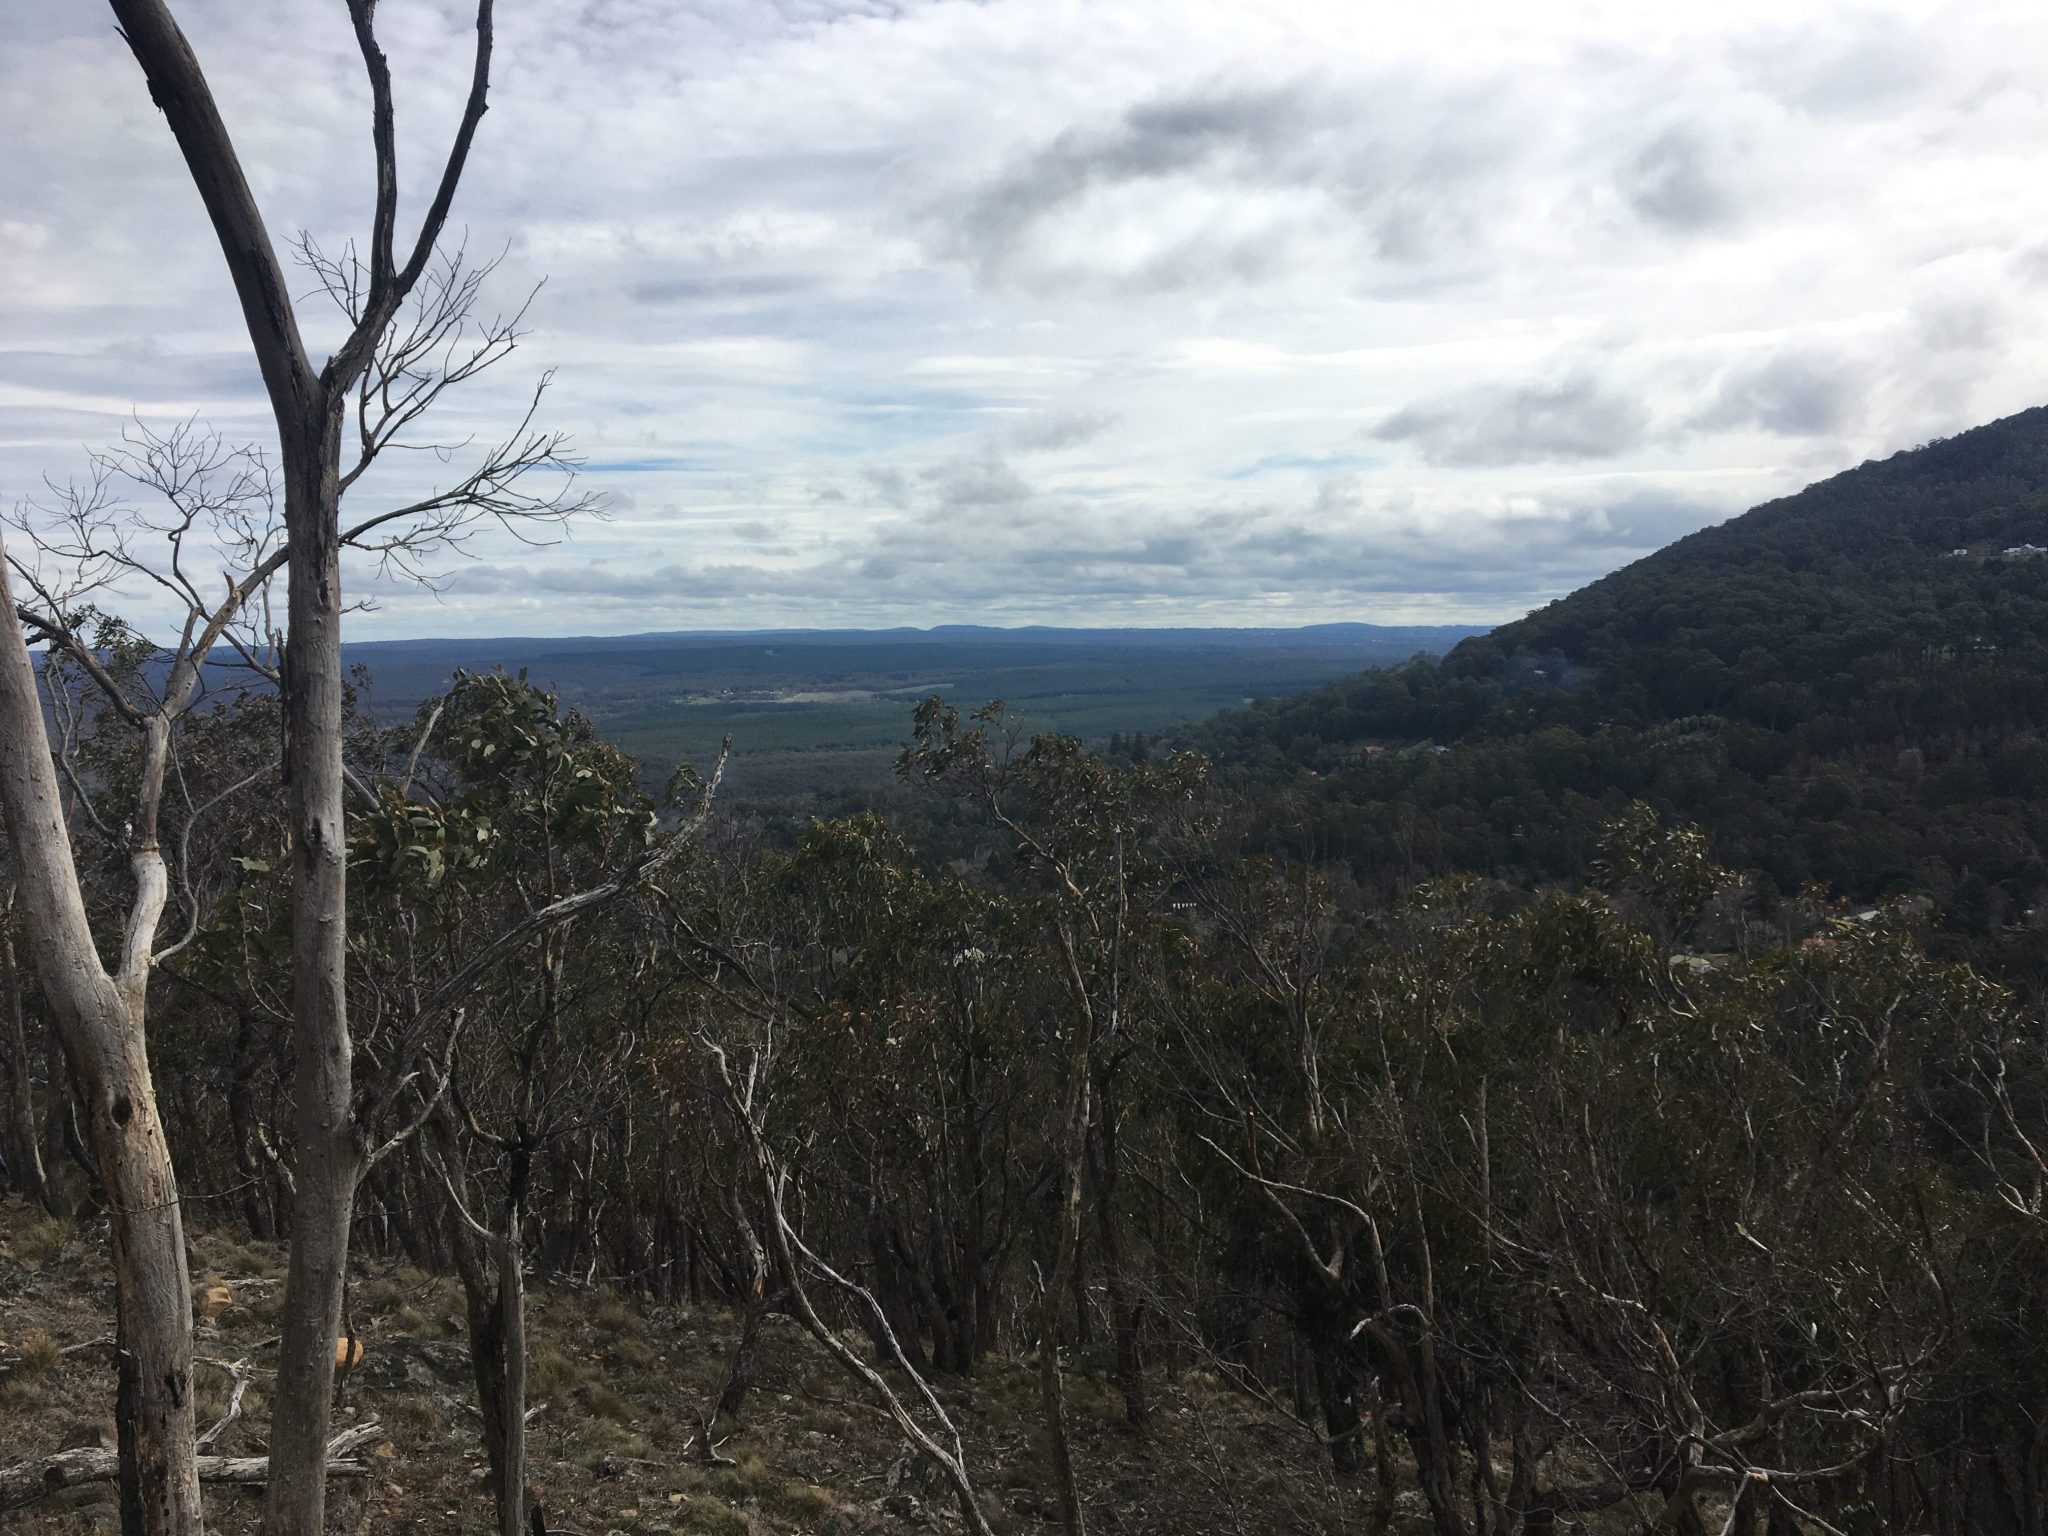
x,y
516,809
905,1055
481,870
1086,837
842,1007
315,408
1640,1227
63,555
186,522
28,1134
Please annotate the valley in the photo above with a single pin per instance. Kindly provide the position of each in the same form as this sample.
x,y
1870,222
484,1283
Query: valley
x,y
1098,1055
815,709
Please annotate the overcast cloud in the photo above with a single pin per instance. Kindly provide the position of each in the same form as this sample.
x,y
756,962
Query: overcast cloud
x,y
1111,311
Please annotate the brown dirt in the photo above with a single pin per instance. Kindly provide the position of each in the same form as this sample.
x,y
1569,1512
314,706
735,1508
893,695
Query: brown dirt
x,y
621,1387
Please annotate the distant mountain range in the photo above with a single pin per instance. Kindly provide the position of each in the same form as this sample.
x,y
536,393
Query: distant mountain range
x,y
408,670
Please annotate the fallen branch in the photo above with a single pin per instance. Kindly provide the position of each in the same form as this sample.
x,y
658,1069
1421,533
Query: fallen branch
x,y
28,1481
237,1373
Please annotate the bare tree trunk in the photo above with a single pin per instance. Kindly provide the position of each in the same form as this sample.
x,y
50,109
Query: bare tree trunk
x,y
1126,1313
100,1021
973,1317
492,1264
1681,1511
1489,1509
1382,1462
257,1208
1337,1392
1301,1380
1078,1284
330,1151
1066,1245
1052,1394
739,1373
497,1341
307,405
24,1154
327,1155
512,1290
153,1296
893,1288
1414,1378
60,1173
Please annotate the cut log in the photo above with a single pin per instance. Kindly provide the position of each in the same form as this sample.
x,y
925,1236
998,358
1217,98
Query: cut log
x,y
28,1481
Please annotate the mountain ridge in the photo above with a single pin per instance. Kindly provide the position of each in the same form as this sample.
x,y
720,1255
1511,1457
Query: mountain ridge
x,y
1846,685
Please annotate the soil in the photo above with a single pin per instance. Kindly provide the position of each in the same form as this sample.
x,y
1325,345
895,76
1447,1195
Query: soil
x,y
617,1387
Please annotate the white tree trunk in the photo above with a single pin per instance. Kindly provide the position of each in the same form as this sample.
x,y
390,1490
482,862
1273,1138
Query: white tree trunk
x,y
327,1159
100,1021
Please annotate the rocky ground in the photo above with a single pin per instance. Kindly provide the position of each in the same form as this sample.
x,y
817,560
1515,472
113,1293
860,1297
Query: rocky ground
x,y
620,1386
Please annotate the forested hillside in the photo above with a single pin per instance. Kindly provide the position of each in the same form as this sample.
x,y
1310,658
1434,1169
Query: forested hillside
x,y
1849,685
1116,1176
430,1119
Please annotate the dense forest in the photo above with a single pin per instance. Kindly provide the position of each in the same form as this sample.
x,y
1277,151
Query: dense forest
x,y
1474,1103
1848,686
1527,1209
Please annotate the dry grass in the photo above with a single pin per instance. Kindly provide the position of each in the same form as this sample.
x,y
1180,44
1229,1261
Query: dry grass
x,y
622,1384
630,1356
806,1503
410,1321
553,1375
413,1420
31,1362
605,1403
41,1240
39,1354
614,1317
600,1445
706,1517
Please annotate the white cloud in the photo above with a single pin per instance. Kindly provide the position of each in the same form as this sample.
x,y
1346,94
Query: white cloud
x,y
1132,310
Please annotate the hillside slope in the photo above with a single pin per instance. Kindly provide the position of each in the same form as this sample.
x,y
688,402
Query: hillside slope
x,y
1847,685
617,1386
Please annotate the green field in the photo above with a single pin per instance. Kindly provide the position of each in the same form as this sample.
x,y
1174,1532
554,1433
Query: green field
x,y
828,710
674,733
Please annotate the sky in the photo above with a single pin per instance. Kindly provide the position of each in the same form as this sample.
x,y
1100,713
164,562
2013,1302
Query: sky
x,y
1150,312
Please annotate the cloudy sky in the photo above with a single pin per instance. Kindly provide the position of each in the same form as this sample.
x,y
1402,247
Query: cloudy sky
x,y
1122,311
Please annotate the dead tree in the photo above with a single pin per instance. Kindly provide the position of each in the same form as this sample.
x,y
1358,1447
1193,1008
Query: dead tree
x,y
100,1016
932,1435
756,1300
